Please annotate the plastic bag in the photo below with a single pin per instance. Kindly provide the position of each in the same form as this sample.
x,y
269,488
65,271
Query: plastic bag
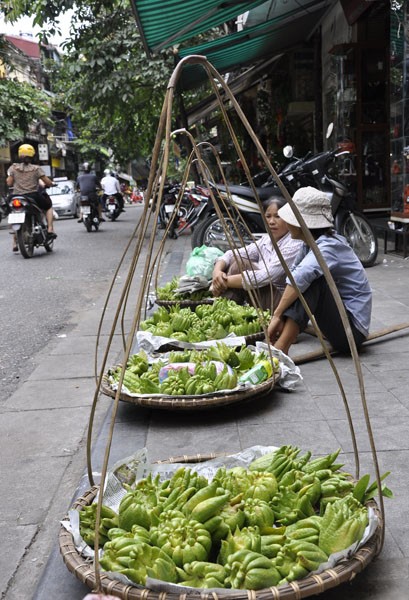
x,y
201,261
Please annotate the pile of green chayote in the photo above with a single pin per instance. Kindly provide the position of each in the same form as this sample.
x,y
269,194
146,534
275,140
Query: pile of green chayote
x,y
250,528
141,377
206,322
168,292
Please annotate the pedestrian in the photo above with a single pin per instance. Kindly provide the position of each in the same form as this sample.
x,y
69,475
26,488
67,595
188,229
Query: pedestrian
x,y
290,317
24,177
259,267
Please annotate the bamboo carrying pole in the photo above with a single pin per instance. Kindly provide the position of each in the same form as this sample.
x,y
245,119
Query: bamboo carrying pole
x,y
320,353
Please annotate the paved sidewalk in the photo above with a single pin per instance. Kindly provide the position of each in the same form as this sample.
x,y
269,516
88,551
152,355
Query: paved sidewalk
x,y
312,417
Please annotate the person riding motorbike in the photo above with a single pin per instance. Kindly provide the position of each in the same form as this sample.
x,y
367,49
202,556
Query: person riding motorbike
x,y
110,186
88,184
24,178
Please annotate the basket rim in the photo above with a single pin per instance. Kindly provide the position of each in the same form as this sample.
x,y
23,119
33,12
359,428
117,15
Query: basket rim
x,y
315,584
191,402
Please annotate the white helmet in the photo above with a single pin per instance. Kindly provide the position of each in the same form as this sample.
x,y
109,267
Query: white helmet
x,y
107,171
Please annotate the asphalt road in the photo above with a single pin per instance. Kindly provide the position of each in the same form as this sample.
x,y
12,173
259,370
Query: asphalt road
x,y
41,295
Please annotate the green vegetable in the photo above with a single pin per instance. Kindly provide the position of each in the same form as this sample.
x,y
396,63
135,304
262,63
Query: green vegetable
x,y
202,575
183,539
343,523
149,561
250,570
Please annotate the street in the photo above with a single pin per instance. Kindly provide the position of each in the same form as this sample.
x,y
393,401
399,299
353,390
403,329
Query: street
x,y
42,295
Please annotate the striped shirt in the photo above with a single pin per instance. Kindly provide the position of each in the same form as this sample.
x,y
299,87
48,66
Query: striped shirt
x,y
25,177
267,266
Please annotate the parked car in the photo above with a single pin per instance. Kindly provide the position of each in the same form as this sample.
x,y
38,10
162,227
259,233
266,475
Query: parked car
x,y
64,197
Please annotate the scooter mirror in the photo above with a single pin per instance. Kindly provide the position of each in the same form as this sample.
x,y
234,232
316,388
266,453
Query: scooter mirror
x,y
330,129
288,151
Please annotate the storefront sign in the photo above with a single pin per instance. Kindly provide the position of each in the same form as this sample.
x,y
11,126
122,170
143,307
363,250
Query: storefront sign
x,y
353,9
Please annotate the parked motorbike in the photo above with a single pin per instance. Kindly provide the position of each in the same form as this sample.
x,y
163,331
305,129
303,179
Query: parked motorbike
x,y
89,211
241,215
189,209
299,172
4,208
112,208
29,224
348,221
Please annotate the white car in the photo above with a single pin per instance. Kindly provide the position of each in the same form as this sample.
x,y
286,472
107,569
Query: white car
x,y
64,197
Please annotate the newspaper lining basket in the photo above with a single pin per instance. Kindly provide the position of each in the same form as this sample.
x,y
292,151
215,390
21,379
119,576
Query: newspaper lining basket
x,y
191,402
311,585
248,339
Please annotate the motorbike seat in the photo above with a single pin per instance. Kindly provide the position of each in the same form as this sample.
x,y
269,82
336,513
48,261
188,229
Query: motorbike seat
x,y
247,192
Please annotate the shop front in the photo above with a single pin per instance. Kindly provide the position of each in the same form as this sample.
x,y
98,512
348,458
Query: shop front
x,y
357,97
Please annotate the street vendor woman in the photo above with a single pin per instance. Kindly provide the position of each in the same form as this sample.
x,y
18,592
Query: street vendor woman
x,y
260,268
290,317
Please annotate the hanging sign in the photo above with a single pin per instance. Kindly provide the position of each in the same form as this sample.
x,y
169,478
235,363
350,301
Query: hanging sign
x,y
43,151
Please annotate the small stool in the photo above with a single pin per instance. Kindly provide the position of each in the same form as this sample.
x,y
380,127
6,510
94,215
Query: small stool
x,y
403,233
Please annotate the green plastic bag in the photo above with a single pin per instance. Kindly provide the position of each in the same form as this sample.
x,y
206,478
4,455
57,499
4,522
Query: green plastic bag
x,y
201,261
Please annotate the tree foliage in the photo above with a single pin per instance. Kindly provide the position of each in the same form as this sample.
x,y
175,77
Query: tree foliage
x,y
111,89
20,105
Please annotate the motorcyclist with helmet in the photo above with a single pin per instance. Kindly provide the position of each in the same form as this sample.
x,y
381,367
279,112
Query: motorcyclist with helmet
x,y
111,187
88,184
24,178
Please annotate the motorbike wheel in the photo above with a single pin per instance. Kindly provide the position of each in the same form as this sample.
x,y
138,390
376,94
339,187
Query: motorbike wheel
x,y
363,241
88,225
212,233
25,239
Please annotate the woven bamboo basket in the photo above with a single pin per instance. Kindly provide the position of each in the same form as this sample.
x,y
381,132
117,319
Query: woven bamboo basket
x,y
191,402
312,585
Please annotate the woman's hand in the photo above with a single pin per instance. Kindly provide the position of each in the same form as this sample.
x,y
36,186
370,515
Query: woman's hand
x,y
219,283
275,328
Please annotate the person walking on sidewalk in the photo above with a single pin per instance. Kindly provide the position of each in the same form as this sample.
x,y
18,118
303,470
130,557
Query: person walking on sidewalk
x,y
260,268
88,184
24,178
290,317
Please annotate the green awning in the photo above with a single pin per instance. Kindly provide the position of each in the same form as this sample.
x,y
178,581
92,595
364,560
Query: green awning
x,y
163,23
252,44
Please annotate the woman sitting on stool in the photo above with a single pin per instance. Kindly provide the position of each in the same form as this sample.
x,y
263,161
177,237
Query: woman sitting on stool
x,y
259,263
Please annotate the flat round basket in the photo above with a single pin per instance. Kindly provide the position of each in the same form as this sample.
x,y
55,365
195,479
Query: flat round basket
x,y
191,402
312,585
184,303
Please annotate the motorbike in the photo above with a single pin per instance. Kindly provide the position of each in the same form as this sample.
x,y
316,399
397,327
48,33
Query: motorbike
x,y
29,224
4,209
242,214
189,209
348,221
89,211
112,208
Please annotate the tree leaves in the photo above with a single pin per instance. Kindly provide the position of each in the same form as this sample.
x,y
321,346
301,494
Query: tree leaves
x,y
20,105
